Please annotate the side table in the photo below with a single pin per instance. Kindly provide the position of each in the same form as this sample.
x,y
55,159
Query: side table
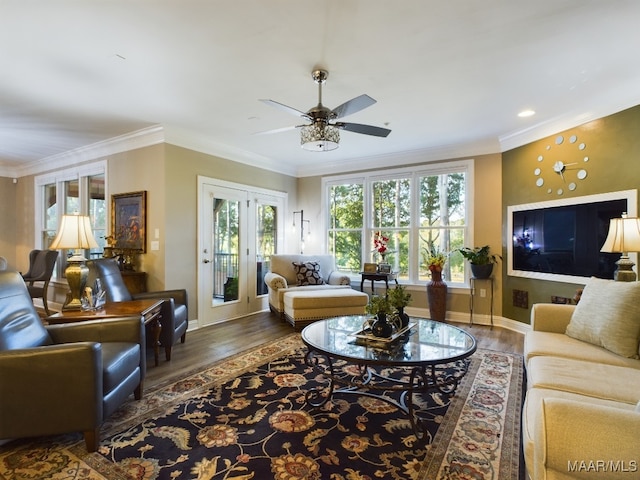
x,y
473,281
377,277
149,309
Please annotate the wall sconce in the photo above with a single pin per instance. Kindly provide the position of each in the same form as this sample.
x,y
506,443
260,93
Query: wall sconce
x,y
302,221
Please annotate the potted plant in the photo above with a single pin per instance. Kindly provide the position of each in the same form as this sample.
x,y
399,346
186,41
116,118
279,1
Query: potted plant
x,y
380,307
400,298
481,260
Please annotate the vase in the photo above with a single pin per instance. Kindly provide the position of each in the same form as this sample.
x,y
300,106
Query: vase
x,y
382,327
437,296
404,318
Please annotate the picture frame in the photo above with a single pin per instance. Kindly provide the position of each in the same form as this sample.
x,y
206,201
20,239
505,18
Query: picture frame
x,y
129,220
370,268
384,268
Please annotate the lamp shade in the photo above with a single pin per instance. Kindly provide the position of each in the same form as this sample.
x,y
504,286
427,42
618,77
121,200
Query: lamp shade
x,y
623,236
75,232
319,137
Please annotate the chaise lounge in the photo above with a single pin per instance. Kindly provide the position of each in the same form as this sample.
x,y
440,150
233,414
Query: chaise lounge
x,y
305,288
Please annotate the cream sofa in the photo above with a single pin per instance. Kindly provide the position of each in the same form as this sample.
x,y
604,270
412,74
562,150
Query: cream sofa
x,y
581,415
282,277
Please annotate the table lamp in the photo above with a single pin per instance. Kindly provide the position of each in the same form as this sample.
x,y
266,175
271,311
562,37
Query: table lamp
x,y
623,237
75,233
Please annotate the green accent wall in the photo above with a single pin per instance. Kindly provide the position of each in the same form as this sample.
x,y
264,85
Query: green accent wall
x,y
612,144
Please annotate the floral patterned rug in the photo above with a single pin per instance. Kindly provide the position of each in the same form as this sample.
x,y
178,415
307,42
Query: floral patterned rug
x,y
247,418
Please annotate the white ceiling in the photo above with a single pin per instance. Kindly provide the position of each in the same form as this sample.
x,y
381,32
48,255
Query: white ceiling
x,y
449,76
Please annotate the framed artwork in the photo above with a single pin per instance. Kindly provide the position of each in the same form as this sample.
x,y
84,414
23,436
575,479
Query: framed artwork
x,y
370,268
129,220
384,268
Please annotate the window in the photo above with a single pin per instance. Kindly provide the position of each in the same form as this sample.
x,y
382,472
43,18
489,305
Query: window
x,y
67,192
416,209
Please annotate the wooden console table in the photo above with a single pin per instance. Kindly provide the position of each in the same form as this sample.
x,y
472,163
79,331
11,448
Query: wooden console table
x,y
149,309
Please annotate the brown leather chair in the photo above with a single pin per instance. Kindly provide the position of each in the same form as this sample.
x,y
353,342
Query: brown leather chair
x,y
63,378
41,264
174,310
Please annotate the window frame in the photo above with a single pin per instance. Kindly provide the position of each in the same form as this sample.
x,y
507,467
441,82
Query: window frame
x,y
79,173
413,173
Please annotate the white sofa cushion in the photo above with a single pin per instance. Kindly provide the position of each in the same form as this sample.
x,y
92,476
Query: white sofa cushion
x,y
616,383
282,264
561,345
608,315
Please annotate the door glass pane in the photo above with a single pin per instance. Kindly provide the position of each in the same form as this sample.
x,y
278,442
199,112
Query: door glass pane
x,y
266,242
226,241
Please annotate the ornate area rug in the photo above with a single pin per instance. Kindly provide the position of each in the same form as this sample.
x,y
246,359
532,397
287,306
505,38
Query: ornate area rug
x,y
246,418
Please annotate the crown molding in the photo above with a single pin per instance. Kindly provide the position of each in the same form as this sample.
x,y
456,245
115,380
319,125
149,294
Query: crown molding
x,y
199,143
439,153
140,138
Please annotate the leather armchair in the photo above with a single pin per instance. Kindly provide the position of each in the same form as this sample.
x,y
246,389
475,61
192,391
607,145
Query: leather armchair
x,y
41,264
63,378
174,310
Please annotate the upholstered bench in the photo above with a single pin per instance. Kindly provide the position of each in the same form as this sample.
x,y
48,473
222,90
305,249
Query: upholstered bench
x,y
302,307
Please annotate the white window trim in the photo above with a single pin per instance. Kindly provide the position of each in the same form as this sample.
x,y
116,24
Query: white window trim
x,y
58,176
467,166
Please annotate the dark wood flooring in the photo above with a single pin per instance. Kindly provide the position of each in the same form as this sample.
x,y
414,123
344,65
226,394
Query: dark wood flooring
x,y
216,342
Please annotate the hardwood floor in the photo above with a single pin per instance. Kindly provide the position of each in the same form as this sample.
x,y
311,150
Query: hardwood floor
x,y
210,344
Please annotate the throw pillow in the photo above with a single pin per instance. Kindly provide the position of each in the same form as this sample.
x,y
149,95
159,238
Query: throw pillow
x,y
308,273
608,315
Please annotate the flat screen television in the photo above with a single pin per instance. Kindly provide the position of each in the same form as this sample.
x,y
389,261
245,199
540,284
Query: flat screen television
x,y
560,240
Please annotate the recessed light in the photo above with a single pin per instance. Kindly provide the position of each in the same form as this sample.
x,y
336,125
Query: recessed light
x,y
526,113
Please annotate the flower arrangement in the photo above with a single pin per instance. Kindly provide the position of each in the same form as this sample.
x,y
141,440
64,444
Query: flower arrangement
x,y
434,259
380,243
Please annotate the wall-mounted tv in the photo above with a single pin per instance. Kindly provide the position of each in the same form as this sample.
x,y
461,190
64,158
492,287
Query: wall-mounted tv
x,y
560,240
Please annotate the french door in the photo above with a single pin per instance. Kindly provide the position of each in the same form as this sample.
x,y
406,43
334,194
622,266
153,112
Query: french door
x,y
240,227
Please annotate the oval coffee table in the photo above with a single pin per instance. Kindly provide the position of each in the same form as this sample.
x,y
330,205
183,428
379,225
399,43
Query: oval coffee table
x,y
418,357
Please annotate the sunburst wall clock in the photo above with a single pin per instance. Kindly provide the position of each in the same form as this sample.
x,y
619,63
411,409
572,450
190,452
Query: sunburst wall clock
x,y
563,166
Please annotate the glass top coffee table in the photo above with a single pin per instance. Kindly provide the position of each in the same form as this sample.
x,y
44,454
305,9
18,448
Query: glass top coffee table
x,y
421,359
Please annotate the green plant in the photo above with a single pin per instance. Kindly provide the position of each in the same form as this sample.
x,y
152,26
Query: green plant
x,y
479,255
378,304
399,297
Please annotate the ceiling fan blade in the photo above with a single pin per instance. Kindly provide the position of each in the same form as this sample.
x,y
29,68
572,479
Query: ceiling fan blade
x,y
276,130
365,129
352,106
285,108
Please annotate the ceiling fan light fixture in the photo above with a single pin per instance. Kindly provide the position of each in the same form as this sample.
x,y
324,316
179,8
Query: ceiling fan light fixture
x,y
319,137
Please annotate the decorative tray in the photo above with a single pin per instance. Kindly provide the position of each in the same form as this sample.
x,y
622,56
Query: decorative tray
x,y
365,334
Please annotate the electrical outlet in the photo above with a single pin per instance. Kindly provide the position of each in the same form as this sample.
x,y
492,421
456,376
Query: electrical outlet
x,y
483,292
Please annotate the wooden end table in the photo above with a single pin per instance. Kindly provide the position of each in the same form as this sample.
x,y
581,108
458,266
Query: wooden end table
x,y
149,309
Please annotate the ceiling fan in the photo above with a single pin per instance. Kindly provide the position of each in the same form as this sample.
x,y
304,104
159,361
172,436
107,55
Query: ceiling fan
x,y
323,133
